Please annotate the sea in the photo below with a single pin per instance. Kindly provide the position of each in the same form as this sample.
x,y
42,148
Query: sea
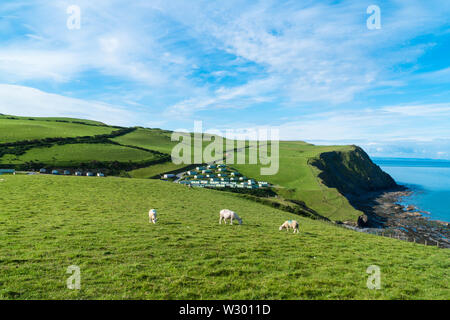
x,y
428,179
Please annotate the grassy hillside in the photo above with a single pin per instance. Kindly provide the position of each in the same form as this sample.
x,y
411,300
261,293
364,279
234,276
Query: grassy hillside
x,y
73,154
155,170
48,223
54,119
153,139
298,180
18,130
318,185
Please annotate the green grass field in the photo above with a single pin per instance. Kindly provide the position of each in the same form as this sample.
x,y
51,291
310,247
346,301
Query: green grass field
x,y
48,223
18,130
155,170
152,139
53,119
73,154
297,180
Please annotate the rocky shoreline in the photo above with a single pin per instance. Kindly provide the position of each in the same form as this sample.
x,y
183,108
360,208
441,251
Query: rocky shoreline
x,y
383,214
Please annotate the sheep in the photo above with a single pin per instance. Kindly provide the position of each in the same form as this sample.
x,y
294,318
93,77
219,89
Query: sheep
x,y
152,216
228,214
290,224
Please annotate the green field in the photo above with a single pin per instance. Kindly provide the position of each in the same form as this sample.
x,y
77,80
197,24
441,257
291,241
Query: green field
x,y
48,223
53,119
297,180
152,139
155,170
18,130
73,154
156,139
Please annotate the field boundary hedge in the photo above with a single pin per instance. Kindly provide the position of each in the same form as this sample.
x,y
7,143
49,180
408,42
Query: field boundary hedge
x,y
111,167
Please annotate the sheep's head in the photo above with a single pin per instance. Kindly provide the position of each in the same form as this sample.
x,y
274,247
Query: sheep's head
x,y
240,221
280,228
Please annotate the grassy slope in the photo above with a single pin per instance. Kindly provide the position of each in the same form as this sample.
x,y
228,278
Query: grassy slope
x,y
72,154
18,130
153,139
48,223
299,181
92,122
155,170
296,179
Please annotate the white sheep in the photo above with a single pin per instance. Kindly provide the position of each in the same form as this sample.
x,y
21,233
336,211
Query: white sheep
x,y
290,224
228,214
152,216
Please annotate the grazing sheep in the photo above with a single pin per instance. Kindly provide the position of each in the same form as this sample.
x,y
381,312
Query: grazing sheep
x,y
228,214
290,224
152,216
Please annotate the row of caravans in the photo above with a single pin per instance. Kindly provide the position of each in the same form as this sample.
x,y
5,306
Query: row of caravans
x,y
68,173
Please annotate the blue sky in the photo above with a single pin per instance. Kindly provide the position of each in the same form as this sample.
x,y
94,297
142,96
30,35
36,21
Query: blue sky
x,y
310,68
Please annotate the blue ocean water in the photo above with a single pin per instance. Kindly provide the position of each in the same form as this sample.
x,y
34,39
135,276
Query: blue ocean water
x,y
429,179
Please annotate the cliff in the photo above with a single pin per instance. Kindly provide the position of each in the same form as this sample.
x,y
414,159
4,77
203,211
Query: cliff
x,y
352,172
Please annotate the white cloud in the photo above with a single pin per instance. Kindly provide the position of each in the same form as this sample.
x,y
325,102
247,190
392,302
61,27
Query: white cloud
x,y
310,52
26,101
427,110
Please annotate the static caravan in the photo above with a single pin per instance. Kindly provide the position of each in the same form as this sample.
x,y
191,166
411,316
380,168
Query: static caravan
x,y
66,172
169,175
100,174
7,171
43,170
89,174
78,173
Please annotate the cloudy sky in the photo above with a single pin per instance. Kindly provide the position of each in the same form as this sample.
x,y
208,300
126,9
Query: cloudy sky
x,y
313,69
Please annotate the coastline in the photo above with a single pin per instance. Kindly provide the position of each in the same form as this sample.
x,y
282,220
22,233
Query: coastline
x,y
384,213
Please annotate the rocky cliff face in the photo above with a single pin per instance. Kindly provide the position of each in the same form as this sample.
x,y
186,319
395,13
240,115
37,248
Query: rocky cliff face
x,y
355,176
352,172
